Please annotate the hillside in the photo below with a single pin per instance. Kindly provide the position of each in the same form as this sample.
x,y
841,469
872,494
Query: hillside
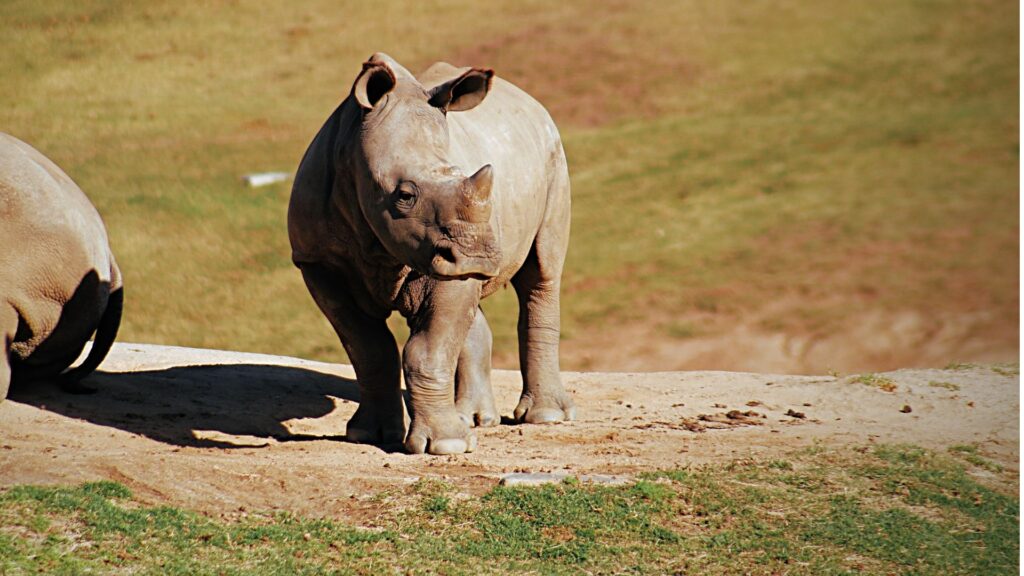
x,y
794,186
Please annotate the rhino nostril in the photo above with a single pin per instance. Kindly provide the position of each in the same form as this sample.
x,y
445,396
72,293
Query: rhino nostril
x,y
445,253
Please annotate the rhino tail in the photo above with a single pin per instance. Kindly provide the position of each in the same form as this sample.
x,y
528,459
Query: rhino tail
x,y
106,333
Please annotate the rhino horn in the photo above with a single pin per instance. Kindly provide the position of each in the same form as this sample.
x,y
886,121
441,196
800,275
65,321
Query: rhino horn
x,y
477,195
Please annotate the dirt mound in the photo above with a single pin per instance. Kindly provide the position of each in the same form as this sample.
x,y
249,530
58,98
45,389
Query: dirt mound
x,y
870,341
223,432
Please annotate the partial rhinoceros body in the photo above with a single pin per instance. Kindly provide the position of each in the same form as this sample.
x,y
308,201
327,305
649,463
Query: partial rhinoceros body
x,y
59,282
425,195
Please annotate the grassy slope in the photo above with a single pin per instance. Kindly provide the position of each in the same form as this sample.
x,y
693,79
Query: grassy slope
x,y
825,156
891,510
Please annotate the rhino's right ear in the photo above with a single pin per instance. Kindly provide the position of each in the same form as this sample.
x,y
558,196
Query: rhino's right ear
x,y
462,93
373,83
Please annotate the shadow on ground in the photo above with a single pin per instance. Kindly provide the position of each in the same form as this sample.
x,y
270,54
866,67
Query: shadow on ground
x,y
169,405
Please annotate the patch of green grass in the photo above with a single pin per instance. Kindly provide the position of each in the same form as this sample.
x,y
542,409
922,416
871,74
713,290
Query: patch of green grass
x,y
1007,369
876,381
946,385
888,509
969,452
96,527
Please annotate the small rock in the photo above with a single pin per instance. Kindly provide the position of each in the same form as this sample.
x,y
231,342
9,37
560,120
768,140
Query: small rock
x,y
795,414
531,479
906,409
264,178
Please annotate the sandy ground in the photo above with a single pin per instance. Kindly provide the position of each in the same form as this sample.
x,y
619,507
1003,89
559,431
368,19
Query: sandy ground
x,y
225,432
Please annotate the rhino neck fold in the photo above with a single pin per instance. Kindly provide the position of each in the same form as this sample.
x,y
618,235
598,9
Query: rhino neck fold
x,y
376,277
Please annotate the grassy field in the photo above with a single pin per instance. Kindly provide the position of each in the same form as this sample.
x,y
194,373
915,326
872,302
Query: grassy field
x,y
826,158
879,510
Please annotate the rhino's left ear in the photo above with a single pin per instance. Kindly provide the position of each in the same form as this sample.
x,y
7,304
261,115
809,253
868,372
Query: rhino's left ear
x,y
462,93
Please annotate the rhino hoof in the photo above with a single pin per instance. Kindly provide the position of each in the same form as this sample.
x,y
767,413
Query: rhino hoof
x,y
454,438
373,437
366,428
451,446
480,419
544,415
532,412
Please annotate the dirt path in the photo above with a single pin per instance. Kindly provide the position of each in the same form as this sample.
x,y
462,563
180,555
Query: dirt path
x,y
223,432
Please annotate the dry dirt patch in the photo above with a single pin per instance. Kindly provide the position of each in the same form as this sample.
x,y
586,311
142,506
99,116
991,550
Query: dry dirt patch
x,y
595,63
224,432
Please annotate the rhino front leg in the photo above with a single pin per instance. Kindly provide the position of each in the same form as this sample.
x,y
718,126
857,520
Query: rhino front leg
x,y
8,328
474,399
374,355
437,335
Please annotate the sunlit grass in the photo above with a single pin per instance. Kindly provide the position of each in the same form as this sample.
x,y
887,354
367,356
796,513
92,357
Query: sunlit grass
x,y
826,157
887,510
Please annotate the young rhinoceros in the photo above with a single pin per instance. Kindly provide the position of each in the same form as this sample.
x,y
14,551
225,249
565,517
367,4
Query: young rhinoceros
x,y
58,279
385,215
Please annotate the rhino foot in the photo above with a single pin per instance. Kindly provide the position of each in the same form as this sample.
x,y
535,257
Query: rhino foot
x,y
542,409
477,411
445,433
371,427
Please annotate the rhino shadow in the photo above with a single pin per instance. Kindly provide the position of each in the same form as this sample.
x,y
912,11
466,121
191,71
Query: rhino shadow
x,y
169,405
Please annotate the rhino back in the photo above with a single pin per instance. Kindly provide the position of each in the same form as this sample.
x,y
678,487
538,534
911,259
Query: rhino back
x,y
55,244
515,134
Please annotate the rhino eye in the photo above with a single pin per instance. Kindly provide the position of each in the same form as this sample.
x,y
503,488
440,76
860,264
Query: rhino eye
x,y
405,196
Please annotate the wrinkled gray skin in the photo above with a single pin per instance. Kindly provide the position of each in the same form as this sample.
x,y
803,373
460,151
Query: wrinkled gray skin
x,y
58,280
425,195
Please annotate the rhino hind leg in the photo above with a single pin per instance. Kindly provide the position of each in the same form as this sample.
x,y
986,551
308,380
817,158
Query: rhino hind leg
x,y
474,399
374,355
106,333
543,399
538,284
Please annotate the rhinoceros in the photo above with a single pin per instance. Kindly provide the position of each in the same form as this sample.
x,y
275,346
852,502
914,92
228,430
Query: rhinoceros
x,y
423,195
59,282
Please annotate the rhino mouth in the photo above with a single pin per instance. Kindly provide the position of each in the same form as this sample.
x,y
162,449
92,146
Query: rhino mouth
x,y
450,263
